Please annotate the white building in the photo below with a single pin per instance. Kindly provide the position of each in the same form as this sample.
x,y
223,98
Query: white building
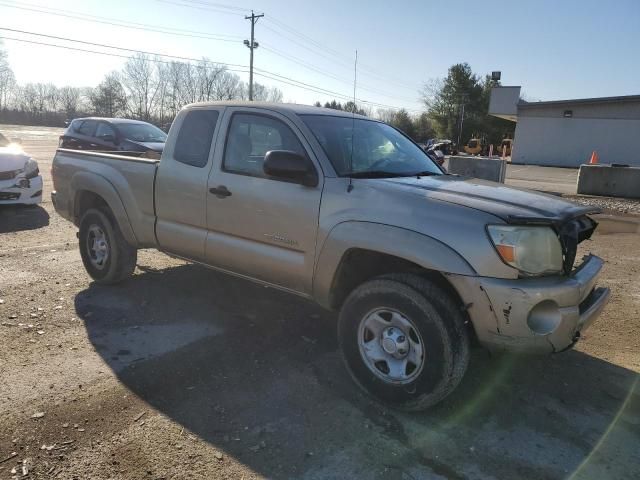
x,y
564,133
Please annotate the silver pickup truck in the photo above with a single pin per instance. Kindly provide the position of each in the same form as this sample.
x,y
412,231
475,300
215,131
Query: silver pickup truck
x,y
348,212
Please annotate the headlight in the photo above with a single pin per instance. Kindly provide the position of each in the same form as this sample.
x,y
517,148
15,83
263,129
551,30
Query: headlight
x,y
31,169
534,250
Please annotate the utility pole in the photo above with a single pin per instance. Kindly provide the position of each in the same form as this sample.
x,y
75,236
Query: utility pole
x,y
252,45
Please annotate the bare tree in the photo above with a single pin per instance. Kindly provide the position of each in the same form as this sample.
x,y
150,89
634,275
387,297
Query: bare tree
x,y
30,99
142,85
208,77
146,88
386,115
7,79
70,98
51,98
228,87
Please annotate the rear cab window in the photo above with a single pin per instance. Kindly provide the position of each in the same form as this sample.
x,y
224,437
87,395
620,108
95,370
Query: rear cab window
x,y
193,143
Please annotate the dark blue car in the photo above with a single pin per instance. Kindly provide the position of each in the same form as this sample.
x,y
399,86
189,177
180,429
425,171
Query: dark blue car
x,y
114,135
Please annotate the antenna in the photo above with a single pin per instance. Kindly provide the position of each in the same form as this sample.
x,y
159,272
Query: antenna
x,y
353,122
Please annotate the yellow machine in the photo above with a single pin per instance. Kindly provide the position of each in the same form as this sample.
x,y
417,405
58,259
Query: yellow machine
x,y
505,147
473,146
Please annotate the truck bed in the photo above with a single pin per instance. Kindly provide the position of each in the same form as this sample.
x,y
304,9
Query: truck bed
x,y
128,180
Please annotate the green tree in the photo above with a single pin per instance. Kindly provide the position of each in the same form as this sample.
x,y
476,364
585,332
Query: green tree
x,y
463,91
350,106
334,105
423,128
460,87
402,121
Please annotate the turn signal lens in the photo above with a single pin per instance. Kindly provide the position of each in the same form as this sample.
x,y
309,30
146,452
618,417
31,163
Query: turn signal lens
x,y
507,252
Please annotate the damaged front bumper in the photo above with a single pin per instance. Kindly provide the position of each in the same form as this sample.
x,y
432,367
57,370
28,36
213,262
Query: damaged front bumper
x,y
534,315
21,190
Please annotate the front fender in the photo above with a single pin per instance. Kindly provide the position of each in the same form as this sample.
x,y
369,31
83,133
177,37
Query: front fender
x,y
414,247
91,182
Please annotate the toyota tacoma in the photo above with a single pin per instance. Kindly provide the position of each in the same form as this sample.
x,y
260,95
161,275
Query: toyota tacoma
x,y
350,213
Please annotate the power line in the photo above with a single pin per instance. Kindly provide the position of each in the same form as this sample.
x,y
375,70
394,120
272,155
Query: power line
x,y
304,37
84,42
123,23
219,5
264,73
201,7
110,54
307,86
318,48
301,62
192,34
344,59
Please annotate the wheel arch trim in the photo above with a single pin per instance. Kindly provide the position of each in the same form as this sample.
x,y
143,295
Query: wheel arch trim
x,y
100,186
422,250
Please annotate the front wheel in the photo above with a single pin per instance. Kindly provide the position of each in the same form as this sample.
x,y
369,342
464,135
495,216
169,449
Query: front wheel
x,y
404,341
106,255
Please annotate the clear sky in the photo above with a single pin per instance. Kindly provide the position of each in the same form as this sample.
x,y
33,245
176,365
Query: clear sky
x,y
554,49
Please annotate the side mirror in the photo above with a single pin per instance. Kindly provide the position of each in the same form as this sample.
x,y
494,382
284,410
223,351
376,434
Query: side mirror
x,y
108,138
291,166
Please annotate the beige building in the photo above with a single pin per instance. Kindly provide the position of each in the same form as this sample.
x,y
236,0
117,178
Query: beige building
x,y
564,133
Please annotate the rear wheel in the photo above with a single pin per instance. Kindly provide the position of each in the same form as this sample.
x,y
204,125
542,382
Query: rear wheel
x,y
106,255
404,341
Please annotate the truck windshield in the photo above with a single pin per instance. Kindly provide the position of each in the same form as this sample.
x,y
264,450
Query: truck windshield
x,y
378,149
140,132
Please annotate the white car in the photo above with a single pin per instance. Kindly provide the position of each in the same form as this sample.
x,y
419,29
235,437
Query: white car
x,y
20,180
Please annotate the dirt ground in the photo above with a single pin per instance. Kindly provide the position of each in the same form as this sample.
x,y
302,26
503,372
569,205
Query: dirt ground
x,y
184,373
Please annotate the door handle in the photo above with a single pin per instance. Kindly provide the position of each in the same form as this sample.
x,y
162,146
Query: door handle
x,y
220,192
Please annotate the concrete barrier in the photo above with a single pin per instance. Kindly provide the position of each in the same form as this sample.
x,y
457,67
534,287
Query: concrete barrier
x,y
608,181
486,168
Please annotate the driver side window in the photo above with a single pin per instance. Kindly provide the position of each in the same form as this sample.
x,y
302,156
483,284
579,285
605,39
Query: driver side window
x,y
249,139
105,130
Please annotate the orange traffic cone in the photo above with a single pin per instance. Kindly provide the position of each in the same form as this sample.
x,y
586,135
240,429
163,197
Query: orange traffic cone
x,y
594,158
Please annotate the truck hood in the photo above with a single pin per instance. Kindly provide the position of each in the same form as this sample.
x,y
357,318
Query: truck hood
x,y
513,205
10,160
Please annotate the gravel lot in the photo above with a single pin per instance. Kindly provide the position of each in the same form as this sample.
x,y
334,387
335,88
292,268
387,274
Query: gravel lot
x,y
183,373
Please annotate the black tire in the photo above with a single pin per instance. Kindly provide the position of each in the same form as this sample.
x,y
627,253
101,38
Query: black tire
x,y
439,323
121,259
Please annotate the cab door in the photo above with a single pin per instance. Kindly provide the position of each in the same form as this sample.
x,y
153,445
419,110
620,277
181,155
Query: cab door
x,y
261,227
181,183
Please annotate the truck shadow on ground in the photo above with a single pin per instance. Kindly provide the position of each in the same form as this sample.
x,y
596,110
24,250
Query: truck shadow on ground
x,y
16,218
257,373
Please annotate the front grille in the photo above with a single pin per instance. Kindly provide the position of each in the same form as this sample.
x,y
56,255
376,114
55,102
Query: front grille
x,y
571,234
9,196
9,175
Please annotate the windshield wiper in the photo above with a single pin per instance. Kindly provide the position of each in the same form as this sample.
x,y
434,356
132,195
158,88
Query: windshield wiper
x,y
375,174
425,173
